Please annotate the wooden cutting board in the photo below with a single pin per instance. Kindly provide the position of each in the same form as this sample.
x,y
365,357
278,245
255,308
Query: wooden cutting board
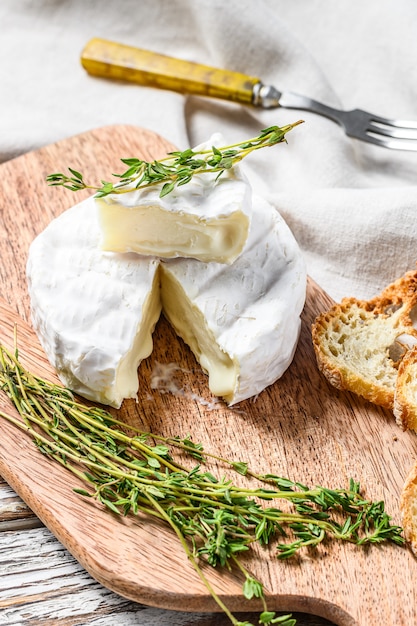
x,y
300,427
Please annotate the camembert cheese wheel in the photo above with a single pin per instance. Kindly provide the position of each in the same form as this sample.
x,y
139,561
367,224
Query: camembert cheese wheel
x,y
94,311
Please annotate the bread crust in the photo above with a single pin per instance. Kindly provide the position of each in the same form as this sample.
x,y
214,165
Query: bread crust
x,y
405,399
408,509
361,345
369,347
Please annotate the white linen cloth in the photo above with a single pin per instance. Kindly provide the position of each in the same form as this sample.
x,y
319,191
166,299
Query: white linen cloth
x,y
351,206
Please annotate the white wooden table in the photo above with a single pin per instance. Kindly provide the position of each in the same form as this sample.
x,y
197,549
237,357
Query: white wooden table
x,y
42,584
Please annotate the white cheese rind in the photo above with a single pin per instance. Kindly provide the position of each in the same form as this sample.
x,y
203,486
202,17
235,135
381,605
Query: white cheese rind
x,y
207,219
251,309
94,312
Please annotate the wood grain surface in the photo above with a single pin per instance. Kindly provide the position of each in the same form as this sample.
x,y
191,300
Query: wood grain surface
x,y
300,427
41,584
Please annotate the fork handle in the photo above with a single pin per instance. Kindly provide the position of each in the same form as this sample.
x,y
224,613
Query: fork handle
x,y
114,60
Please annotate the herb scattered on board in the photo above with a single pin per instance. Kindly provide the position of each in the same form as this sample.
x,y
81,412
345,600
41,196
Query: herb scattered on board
x,y
214,519
177,169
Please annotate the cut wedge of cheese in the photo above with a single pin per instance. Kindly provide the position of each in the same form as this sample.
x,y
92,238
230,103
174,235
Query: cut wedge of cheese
x,y
206,219
95,311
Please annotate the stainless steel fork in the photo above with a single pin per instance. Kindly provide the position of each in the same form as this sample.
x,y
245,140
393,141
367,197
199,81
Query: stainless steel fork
x,y
113,60
388,133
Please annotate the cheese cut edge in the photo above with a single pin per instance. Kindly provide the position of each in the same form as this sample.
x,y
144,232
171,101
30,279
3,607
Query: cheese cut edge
x,y
139,230
189,324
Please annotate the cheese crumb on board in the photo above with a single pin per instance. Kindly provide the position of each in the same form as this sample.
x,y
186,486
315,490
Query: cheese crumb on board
x,y
165,379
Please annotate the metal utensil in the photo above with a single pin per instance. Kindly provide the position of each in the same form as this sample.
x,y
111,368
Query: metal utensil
x,y
113,60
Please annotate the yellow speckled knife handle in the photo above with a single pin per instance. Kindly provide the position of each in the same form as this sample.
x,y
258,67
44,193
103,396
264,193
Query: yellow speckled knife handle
x,y
113,60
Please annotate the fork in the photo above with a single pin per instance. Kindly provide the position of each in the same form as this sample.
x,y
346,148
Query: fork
x,y
357,123
108,59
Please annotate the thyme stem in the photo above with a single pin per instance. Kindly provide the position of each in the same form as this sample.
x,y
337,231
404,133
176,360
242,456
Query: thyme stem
x,y
214,519
177,168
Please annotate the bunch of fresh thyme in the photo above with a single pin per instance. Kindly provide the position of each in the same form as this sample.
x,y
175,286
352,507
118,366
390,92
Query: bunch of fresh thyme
x,y
213,518
177,169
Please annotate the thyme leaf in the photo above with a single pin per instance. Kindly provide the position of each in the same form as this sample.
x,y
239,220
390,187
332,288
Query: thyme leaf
x,y
213,518
175,170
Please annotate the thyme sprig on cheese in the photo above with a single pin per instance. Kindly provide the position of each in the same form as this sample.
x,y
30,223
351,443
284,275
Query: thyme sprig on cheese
x,y
214,519
177,169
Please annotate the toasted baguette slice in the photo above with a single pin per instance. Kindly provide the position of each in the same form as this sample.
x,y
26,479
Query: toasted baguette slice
x,y
405,399
359,344
408,509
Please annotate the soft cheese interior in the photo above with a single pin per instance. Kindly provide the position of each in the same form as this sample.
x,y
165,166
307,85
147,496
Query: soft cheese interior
x,y
206,219
189,322
95,311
